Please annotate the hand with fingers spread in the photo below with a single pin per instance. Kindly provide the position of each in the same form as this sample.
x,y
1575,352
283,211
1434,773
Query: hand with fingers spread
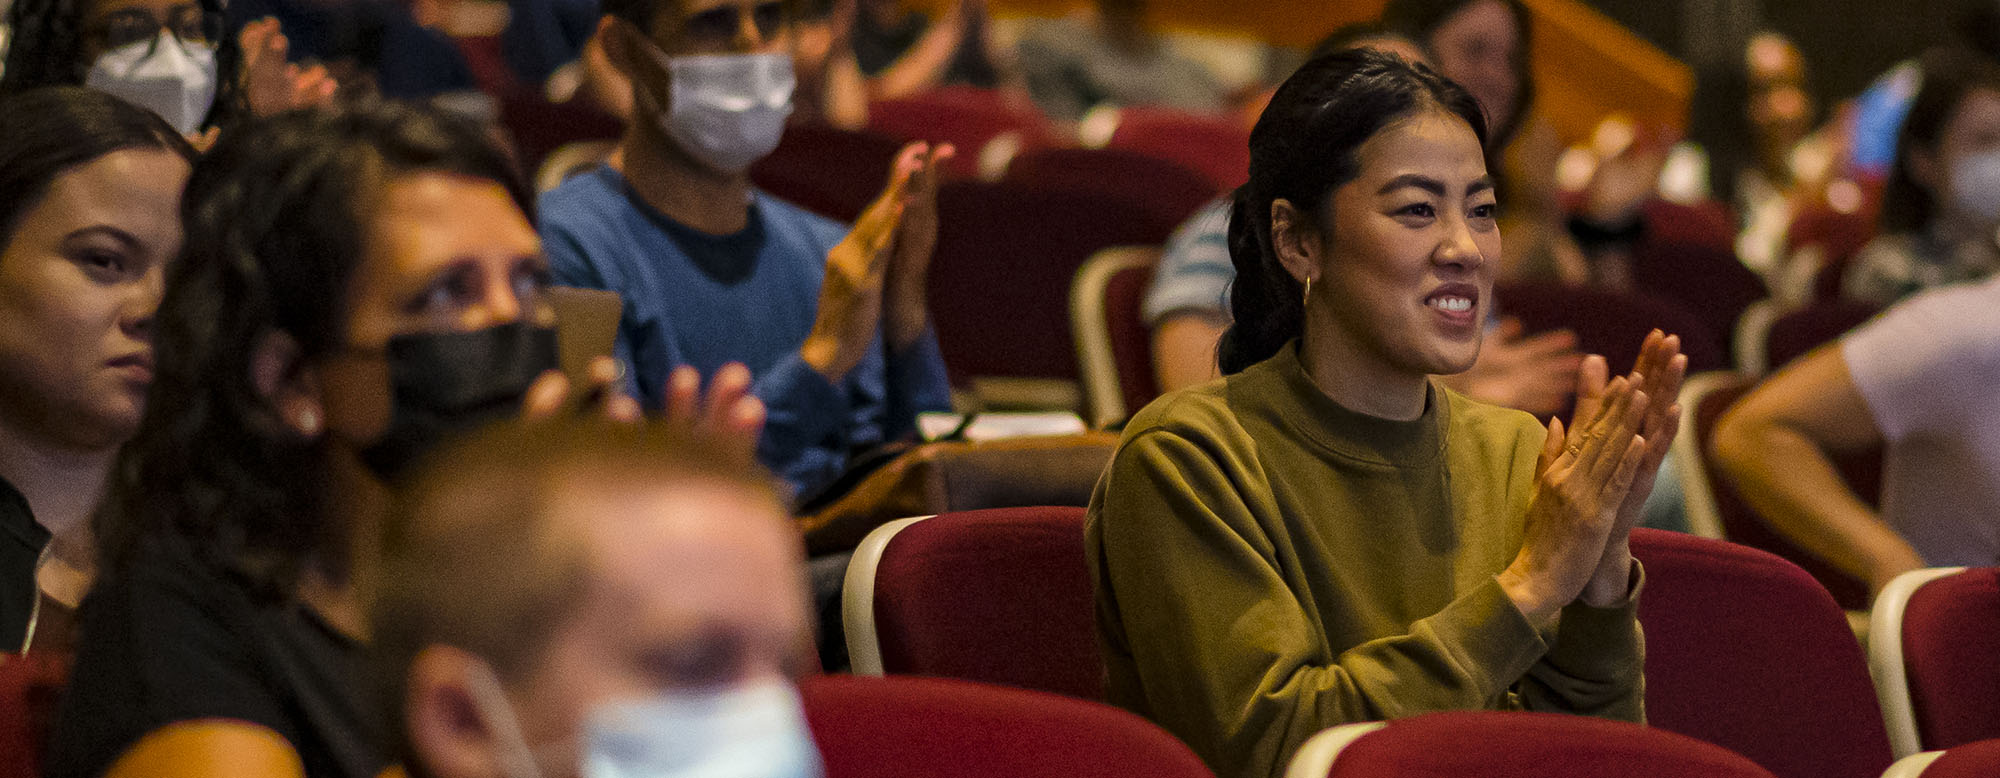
x,y
906,312
728,415
1583,480
850,298
271,84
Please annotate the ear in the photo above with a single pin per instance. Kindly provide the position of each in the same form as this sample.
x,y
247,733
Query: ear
x,y
280,375
612,34
448,733
1296,238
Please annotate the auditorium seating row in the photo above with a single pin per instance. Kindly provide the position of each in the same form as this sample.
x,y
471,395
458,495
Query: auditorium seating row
x,y
1744,650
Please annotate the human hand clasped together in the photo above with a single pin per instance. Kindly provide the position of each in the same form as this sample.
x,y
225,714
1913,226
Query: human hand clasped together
x,y
1593,479
875,278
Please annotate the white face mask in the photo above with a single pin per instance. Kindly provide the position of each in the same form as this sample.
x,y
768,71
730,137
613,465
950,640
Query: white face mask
x,y
726,110
756,730
173,79
1975,185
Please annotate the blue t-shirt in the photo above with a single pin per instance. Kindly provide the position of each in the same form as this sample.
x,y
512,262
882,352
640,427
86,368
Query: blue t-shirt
x,y
704,300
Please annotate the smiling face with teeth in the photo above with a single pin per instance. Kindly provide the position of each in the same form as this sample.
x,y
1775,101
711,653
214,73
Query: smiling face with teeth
x,y
1402,259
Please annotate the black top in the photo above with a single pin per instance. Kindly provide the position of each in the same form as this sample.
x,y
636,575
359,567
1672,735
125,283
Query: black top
x,y
172,638
21,542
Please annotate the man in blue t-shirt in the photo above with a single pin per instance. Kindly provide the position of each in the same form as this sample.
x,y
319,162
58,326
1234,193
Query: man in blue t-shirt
x,y
831,322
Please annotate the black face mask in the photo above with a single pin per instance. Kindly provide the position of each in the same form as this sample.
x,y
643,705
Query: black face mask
x,y
449,383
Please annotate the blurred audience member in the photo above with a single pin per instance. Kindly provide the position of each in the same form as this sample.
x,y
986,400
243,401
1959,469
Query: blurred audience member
x,y
1941,205
904,52
1112,56
1186,304
1918,379
172,57
373,46
355,287
832,322
1752,120
90,191
1879,110
568,600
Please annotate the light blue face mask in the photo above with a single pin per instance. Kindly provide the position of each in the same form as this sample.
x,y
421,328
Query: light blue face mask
x,y
756,730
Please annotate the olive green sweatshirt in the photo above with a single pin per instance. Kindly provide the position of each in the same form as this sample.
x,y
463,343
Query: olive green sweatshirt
x,y
1269,564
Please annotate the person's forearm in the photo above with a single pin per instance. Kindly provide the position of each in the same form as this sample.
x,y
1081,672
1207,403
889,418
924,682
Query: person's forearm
x,y
1184,350
923,66
1793,484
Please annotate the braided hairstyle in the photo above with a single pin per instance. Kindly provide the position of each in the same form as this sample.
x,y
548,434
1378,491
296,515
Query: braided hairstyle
x,y
274,218
47,48
1305,145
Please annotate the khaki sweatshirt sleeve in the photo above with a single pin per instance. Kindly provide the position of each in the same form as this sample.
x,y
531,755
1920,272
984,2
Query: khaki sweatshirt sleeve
x,y
1596,666
1227,656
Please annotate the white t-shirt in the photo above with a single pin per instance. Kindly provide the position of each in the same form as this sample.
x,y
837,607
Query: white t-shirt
x,y
1929,369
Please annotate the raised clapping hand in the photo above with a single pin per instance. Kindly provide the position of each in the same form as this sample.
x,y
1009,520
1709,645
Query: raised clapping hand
x,y
271,85
886,254
1594,480
728,415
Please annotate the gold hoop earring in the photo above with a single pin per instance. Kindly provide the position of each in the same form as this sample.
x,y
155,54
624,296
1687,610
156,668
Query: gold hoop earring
x,y
1309,292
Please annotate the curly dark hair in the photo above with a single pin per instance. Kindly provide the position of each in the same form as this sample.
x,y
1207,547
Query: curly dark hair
x,y
46,48
1305,145
274,219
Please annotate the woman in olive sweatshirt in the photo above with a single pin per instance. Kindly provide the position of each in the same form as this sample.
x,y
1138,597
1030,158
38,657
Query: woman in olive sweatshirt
x,y
1326,535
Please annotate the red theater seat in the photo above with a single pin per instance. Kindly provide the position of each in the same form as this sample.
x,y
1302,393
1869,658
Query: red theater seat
x,y
999,596
1933,641
904,727
830,171
1973,760
1172,191
1741,524
1512,745
1114,347
1747,651
1000,280
29,686
1216,146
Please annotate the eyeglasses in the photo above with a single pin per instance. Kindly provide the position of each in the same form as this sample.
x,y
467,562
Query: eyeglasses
x,y
124,27
716,27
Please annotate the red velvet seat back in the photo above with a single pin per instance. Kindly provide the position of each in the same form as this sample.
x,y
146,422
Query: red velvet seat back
x,y
999,596
1742,524
1800,331
1532,745
1951,650
829,171
1688,257
29,687
1973,760
540,127
1171,190
1131,339
902,727
1747,651
967,117
1000,279
1216,146
1609,322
